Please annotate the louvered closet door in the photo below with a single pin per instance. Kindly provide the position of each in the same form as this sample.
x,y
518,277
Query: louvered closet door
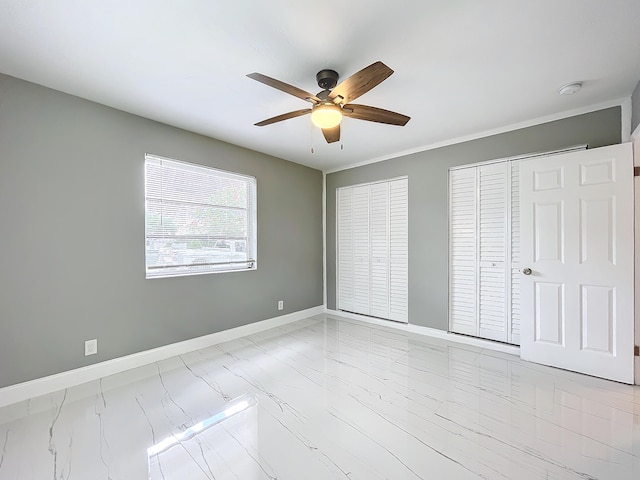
x,y
372,246
398,250
484,252
361,250
515,253
492,223
462,251
379,249
345,249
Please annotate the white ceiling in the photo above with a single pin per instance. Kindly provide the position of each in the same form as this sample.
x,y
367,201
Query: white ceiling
x,y
461,66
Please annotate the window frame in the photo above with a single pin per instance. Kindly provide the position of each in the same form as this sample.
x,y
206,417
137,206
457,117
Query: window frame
x,y
181,269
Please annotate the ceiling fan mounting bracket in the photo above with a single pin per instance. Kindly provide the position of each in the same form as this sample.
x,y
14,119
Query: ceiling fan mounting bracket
x,y
327,79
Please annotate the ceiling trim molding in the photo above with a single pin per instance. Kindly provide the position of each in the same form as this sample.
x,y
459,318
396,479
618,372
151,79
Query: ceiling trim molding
x,y
624,103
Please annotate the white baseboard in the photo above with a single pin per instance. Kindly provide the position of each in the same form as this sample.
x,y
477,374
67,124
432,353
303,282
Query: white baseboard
x,y
71,378
429,332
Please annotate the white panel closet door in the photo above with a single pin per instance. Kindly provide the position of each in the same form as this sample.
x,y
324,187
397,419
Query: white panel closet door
x,y
577,241
398,250
345,249
361,250
462,251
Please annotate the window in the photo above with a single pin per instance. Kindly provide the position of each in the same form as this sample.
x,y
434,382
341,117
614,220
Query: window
x,y
197,219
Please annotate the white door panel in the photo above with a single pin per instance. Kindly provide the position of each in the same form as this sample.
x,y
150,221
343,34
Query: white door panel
x,y
492,250
345,249
462,251
361,250
576,213
398,250
372,240
379,231
514,243
549,318
482,301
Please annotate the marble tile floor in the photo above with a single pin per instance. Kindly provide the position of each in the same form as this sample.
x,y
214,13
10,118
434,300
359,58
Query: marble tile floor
x,y
327,398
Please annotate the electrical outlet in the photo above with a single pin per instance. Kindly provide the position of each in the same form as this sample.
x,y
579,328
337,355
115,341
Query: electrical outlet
x,y
280,304
91,347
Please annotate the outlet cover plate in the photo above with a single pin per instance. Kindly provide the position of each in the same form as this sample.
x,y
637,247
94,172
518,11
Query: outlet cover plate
x,y
280,304
91,347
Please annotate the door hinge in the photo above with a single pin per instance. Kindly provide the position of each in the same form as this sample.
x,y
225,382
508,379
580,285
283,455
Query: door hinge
x,y
636,171
636,351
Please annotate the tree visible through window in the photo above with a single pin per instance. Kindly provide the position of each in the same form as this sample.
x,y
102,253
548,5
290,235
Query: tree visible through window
x,y
198,219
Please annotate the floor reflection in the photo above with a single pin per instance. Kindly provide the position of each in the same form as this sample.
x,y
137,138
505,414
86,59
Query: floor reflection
x,y
228,433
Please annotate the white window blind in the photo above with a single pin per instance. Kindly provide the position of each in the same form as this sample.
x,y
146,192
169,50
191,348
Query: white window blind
x,y
197,219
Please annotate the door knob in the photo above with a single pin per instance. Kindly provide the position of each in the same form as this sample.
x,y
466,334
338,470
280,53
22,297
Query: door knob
x,y
526,271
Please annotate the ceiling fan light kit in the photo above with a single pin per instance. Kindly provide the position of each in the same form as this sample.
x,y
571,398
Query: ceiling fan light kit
x,y
326,115
332,103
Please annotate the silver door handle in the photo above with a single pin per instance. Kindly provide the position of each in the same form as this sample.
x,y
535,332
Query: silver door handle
x,y
526,271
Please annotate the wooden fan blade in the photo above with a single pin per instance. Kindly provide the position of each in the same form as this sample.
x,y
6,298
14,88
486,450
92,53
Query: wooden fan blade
x,y
373,114
284,87
284,116
361,82
331,134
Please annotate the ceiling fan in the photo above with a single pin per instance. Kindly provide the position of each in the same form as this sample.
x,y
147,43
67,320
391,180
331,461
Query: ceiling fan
x,y
332,103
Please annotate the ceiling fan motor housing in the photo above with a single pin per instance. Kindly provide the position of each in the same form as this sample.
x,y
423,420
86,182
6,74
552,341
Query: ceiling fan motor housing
x,y
327,79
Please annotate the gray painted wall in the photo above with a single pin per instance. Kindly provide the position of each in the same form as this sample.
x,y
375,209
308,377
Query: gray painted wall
x,y
72,244
428,199
635,108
